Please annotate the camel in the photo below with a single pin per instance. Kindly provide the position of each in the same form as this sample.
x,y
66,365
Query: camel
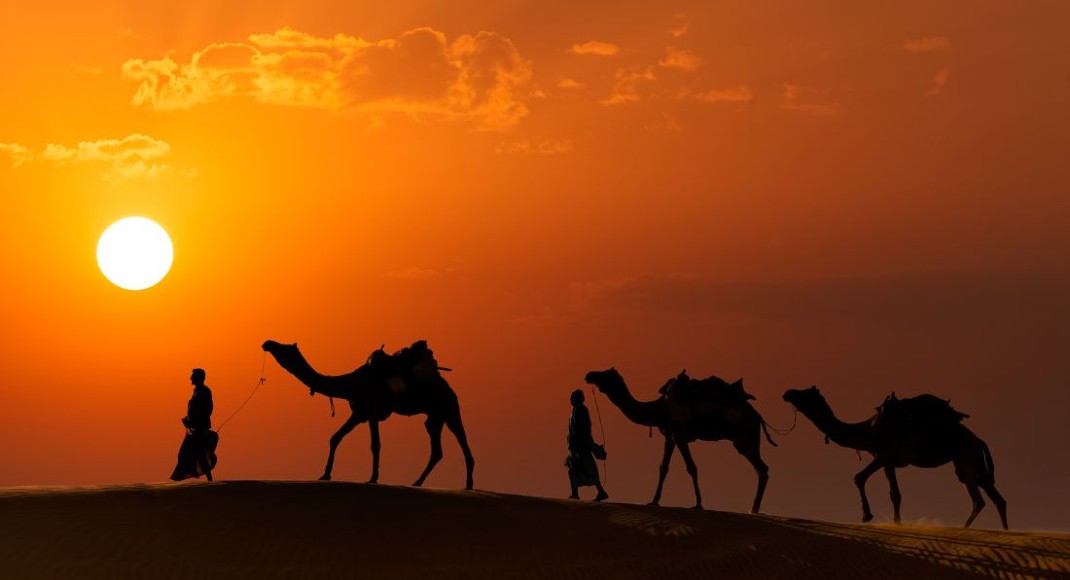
x,y
929,441
376,390
739,423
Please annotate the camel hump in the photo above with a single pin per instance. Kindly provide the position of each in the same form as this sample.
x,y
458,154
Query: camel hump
x,y
924,407
415,363
685,390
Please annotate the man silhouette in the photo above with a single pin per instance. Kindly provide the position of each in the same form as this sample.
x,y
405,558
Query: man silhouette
x,y
582,470
196,456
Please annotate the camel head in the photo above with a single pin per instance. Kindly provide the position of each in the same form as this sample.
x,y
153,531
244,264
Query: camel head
x,y
277,348
285,354
608,381
804,399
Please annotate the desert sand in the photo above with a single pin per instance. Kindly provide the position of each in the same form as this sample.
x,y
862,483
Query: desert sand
x,y
260,529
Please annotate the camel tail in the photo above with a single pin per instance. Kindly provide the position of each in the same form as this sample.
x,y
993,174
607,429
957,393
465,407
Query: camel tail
x,y
991,465
765,429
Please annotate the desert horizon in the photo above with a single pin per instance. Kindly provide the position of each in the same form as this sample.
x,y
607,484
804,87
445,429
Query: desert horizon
x,y
276,529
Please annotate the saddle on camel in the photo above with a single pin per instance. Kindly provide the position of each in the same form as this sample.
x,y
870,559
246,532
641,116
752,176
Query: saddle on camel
x,y
411,367
689,398
923,418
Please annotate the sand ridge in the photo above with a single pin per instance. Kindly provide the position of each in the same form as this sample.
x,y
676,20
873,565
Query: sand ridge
x,y
262,529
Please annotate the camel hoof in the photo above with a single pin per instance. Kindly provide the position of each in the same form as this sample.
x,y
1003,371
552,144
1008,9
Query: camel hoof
x,y
698,507
654,503
373,481
325,477
867,518
755,512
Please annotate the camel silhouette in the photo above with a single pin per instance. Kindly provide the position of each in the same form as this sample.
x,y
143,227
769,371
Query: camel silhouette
x,y
737,422
386,384
898,436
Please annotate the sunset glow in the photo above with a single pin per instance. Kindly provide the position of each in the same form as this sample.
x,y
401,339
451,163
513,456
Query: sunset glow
x,y
866,197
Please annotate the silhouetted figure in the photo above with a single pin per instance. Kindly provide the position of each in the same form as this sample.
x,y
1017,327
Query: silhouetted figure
x,y
582,470
407,382
196,456
923,431
738,422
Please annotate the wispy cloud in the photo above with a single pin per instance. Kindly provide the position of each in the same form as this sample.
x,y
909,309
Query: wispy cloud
x,y
595,47
678,31
626,84
133,156
928,44
939,80
538,146
481,78
680,58
570,84
414,273
18,154
739,94
793,101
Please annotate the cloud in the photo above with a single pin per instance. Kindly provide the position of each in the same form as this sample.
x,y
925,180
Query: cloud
x,y
414,273
666,123
928,44
19,154
910,300
570,84
678,31
133,156
793,102
541,146
626,84
739,94
679,58
596,48
939,80
481,78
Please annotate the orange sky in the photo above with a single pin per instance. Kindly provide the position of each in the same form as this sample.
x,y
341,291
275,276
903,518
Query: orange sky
x,y
864,198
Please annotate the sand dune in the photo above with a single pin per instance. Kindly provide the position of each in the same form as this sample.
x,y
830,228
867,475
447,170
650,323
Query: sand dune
x,y
251,529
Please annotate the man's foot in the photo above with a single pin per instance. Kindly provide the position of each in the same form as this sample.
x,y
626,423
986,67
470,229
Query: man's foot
x,y
601,496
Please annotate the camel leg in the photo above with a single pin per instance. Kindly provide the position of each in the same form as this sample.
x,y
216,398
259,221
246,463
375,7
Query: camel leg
x,y
340,434
434,431
893,489
373,427
754,455
978,502
997,498
457,428
860,483
663,470
692,470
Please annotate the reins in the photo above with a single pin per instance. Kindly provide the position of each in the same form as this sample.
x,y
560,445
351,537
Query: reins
x,y
259,384
601,427
794,421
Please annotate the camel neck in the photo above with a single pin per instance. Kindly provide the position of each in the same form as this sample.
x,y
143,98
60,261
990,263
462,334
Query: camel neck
x,y
850,435
650,413
331,386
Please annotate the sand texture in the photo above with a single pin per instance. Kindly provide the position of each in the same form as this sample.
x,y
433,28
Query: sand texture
x,y
252,529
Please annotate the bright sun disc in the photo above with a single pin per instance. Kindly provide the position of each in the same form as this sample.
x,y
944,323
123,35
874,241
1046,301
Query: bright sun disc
x,y
135,253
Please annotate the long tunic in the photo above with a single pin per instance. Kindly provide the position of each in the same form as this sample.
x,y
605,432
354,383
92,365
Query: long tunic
x,y
582,470
196,455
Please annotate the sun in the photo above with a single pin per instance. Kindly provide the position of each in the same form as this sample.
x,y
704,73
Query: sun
x,y
135,253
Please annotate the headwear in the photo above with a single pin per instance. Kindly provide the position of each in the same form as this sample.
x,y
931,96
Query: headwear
x,y
198,375
577,396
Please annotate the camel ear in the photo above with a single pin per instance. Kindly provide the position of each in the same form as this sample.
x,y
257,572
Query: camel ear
x,y
739,382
